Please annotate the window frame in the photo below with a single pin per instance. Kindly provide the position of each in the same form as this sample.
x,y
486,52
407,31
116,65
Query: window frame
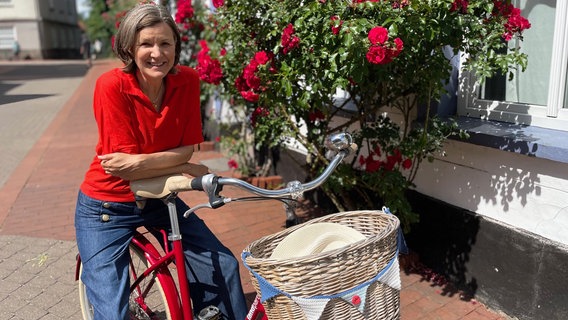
x,y
553,116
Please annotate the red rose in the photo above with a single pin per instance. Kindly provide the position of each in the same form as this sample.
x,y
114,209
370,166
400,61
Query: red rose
x,y
261,57
334,27
253,82
372,165
241,84
459,5
378,35
316,115
258,112
184,11
399,46
209,69
218,3
376,55
250,96
289,41
406,164
233,164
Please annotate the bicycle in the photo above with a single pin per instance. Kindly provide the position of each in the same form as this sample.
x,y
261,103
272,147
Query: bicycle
x,y
154,293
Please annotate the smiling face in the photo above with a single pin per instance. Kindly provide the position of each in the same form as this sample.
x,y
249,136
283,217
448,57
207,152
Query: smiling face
x,y
154,52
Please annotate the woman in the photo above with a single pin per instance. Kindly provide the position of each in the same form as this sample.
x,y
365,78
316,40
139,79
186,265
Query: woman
x,y
148,117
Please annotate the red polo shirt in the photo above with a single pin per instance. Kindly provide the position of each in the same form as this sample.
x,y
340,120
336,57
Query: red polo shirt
x,y
128,123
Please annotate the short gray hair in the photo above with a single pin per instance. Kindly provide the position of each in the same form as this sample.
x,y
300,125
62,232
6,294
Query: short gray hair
x,y
138,18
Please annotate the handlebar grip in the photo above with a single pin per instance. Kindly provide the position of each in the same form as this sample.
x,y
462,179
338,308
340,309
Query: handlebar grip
x,y
160,187
353,147
197,183
179,183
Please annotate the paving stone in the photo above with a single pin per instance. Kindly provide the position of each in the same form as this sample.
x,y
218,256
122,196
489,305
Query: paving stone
x,y
31,312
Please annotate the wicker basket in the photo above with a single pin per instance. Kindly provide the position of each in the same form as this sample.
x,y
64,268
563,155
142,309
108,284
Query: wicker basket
x,y
332,272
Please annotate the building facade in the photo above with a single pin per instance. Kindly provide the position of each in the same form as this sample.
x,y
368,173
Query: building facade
x,y
494,210
43,29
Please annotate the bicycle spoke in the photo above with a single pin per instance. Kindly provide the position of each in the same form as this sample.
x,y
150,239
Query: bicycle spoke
x,y
146,299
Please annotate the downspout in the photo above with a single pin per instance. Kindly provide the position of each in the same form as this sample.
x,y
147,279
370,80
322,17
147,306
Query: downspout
x,y
40,29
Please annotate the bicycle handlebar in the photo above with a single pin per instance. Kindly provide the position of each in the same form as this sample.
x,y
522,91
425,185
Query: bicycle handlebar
x,y
211,184
292,188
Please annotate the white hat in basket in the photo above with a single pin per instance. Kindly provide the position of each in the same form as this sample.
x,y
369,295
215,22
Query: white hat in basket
x,y
316,238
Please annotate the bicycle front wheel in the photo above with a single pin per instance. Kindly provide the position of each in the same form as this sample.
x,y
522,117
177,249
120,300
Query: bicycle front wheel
x,y
147,301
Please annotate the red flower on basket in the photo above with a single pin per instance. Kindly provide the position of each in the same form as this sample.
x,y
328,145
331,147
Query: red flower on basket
x,y
356,300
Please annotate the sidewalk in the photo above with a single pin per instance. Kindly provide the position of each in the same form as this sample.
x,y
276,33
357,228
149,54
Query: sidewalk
x,y
37,249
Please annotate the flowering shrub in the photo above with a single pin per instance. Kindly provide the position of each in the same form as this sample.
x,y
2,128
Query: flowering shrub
x,y
303,69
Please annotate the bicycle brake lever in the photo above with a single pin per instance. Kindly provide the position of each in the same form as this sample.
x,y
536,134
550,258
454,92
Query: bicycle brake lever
x,y
218,203
199,206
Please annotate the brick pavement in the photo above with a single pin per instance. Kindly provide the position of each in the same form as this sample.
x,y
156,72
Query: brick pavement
x,y
23,91
37,249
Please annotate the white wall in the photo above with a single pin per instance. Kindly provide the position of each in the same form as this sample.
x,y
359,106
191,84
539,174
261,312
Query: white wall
x,y
19,10
524,192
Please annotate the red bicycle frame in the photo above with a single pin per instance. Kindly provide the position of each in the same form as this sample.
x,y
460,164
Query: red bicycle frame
x,y
179,301
159,263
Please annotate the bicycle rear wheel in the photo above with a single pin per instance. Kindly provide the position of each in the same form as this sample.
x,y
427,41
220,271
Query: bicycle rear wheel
x,y
148,300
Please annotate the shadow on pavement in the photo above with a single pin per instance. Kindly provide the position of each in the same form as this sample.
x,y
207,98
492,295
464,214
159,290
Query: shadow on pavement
x,y
18,72
11,77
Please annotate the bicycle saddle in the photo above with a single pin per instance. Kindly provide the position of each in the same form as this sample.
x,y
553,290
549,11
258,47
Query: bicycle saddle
x,y
159,187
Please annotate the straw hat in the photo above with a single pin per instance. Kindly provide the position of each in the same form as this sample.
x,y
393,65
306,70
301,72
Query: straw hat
x,y
316,238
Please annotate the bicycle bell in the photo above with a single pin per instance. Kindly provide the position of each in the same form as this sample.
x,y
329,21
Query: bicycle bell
x,y
339,141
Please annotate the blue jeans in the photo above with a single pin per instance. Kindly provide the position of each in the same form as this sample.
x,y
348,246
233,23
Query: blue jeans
x,y
104,230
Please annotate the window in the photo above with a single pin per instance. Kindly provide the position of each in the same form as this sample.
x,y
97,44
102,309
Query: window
x,y
538,96
7,37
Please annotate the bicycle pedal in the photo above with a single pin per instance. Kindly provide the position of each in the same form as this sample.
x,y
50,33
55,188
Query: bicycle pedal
x,y
209,313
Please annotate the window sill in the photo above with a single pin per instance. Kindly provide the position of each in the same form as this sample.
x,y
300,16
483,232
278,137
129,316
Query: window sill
x,y
522,139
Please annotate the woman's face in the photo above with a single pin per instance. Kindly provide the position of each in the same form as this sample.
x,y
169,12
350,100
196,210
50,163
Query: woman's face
x,y
154,52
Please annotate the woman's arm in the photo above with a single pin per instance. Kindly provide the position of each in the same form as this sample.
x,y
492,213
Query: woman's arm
x,y
141,166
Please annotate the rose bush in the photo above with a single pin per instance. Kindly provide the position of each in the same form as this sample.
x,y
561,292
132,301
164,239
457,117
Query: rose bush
x,y
304,69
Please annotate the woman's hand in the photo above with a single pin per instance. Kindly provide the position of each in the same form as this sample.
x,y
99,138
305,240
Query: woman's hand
x,y
120,164
197,170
